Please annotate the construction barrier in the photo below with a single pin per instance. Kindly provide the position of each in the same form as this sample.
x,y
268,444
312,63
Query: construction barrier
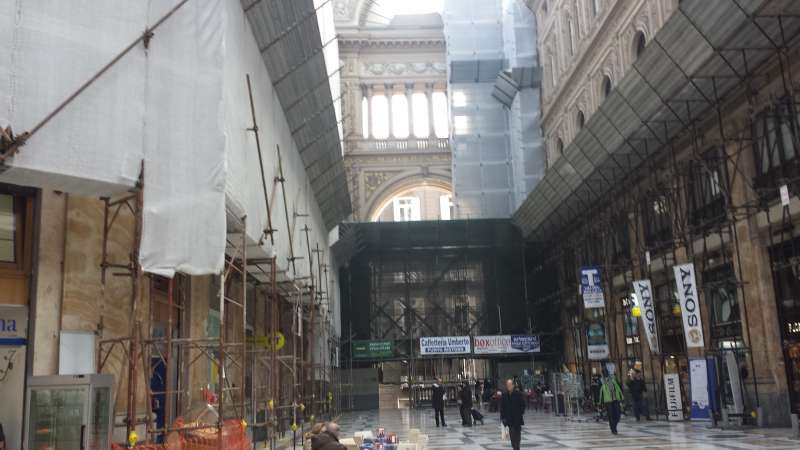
x,y
234,437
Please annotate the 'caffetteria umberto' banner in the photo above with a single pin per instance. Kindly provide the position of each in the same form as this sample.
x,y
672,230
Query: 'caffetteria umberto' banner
x,y
445,345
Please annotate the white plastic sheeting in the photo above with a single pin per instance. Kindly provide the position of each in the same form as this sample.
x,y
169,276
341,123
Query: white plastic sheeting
x,y
161,105
184,170
243,183
49,49
498,155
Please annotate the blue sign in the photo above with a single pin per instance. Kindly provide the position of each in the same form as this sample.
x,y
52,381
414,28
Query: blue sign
x,y
592,288
525,343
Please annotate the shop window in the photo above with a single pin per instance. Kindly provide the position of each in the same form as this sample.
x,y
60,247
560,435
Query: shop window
x,y
670,322
630,325
8,229
657,222
775,138
786,280
622,242
719,286
708,182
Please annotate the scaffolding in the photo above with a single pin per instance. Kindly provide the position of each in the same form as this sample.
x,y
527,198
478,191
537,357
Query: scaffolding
x,y
271,380
678,189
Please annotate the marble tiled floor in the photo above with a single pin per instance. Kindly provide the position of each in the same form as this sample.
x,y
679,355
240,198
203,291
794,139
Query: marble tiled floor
x,y
545,432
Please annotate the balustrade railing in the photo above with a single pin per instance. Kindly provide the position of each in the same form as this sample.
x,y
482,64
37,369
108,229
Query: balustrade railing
x,y
399,145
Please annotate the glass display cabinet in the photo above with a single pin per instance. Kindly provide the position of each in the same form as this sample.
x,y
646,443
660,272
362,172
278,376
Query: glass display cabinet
x,y
68,412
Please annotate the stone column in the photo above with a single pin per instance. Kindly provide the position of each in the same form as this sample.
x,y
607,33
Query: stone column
x,y
368,95
429,96
409,99
389,90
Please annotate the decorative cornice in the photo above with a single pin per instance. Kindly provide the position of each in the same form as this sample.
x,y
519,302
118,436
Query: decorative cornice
x,y
372,43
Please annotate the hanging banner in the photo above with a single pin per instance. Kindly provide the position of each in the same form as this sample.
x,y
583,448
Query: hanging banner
x,y
592,288
445,345
698,380
494,345
734,375
596,344
672,387
644,295
690,305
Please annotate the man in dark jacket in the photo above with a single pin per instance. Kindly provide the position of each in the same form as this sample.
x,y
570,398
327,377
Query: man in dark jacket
x,y
437,399
328,439
637,388
512,410
466,405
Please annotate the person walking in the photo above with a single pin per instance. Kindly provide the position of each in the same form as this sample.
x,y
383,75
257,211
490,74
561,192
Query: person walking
x,y
327,439
637,387
611,396
437,399
512,410
466,405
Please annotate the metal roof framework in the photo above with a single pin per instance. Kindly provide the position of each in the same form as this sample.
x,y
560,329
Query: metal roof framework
x,y
292,47
704,52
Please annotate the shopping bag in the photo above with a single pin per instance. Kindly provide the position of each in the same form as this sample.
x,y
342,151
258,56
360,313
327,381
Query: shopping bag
x,y
504,436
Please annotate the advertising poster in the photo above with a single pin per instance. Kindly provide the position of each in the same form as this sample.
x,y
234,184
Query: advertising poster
x,y
592,288
445,345
700,398
13,345
597,345
672,388
503,344
644,295
690,305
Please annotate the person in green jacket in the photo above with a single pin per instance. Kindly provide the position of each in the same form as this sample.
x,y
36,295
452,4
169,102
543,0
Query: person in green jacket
x,y
611,396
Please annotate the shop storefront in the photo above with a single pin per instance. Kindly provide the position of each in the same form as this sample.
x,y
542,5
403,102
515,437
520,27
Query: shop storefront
x,y
16,211
786,278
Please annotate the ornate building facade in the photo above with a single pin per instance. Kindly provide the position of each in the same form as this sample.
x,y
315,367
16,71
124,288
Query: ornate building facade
x,y
394,82
586,47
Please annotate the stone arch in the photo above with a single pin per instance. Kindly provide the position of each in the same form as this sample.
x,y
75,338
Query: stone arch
x,y
400,183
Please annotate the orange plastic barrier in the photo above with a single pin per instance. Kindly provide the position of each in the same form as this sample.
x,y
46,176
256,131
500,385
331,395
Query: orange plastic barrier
x,y
234,437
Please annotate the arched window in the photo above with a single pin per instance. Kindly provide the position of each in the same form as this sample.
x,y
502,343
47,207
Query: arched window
x,y
605,86
364,117
380,117
419,108
441,127
400,116
560,146
639,42
580,119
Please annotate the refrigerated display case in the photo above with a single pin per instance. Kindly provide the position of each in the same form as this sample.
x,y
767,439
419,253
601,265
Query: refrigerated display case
x,y
68,412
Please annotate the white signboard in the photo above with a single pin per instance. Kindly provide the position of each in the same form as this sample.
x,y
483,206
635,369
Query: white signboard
x,y
700,399
690,304
644,295
445,345
597,352
493,345
592,288
672,386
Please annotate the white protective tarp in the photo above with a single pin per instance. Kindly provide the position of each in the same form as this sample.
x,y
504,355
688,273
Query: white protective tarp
x,y
161,105
184,222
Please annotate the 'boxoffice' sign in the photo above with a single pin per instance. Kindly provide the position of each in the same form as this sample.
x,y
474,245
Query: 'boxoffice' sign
x,y
373,349
493,345
445,345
